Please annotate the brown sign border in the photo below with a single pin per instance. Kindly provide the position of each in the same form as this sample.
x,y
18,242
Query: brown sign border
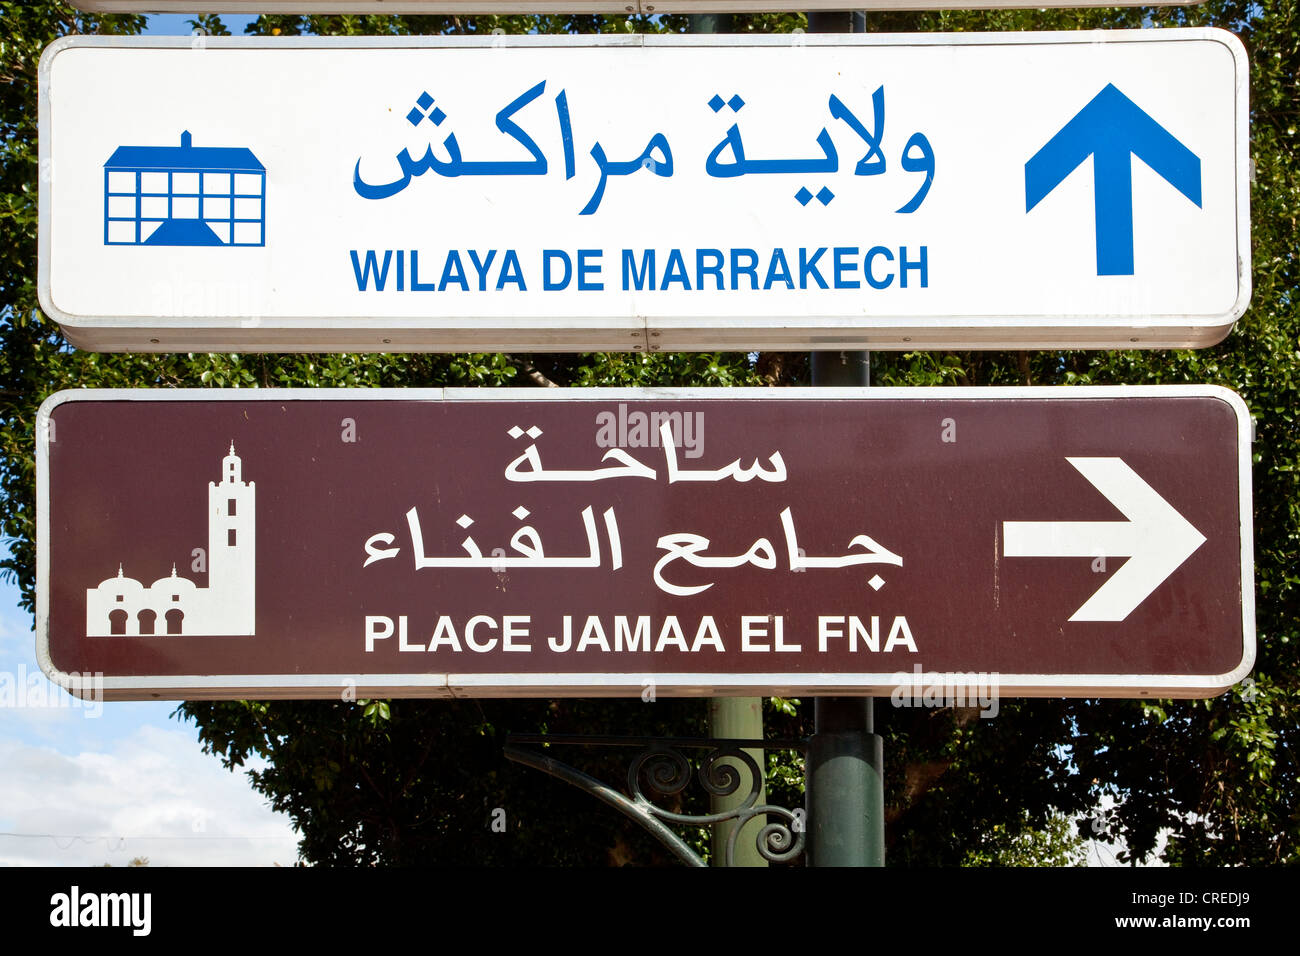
x,y
635,684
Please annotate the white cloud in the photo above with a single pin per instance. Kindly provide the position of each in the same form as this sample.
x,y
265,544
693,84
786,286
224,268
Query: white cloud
x,y
154,794
85,785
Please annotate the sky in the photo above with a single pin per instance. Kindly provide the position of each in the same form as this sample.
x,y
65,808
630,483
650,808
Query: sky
x,y
88,784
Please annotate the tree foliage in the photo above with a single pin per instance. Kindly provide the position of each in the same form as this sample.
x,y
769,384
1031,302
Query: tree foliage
x,y
419,781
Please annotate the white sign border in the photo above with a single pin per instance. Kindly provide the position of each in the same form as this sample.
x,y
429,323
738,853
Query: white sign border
x,y
638,333
614,7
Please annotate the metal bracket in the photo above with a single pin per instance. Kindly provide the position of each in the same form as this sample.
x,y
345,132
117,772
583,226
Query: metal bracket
x,y
665,770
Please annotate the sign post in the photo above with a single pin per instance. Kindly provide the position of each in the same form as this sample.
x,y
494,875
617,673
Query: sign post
x,y
844,786
1086,541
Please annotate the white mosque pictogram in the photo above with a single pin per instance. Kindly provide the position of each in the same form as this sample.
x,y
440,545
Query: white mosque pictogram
x,y
176,605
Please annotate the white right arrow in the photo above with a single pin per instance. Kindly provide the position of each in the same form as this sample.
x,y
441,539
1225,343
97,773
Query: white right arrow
x,y
1156,539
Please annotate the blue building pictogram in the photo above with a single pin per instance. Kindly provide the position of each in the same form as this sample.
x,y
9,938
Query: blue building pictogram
x,y
184,196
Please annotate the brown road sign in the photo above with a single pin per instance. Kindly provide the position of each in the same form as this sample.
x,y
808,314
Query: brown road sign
x,y
913,542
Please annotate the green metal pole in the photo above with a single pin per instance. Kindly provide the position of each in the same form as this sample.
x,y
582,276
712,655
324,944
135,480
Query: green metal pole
x,y
845,785
734,717
844,781
706,22
738,718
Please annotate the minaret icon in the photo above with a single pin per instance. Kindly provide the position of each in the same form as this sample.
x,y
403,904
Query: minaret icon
x,y
174,605
232,542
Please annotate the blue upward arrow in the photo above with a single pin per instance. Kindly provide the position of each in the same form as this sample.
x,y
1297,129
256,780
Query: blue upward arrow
x,y
1112,129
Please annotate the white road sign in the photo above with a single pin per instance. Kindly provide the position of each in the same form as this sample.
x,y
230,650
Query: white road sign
x,y
645,192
